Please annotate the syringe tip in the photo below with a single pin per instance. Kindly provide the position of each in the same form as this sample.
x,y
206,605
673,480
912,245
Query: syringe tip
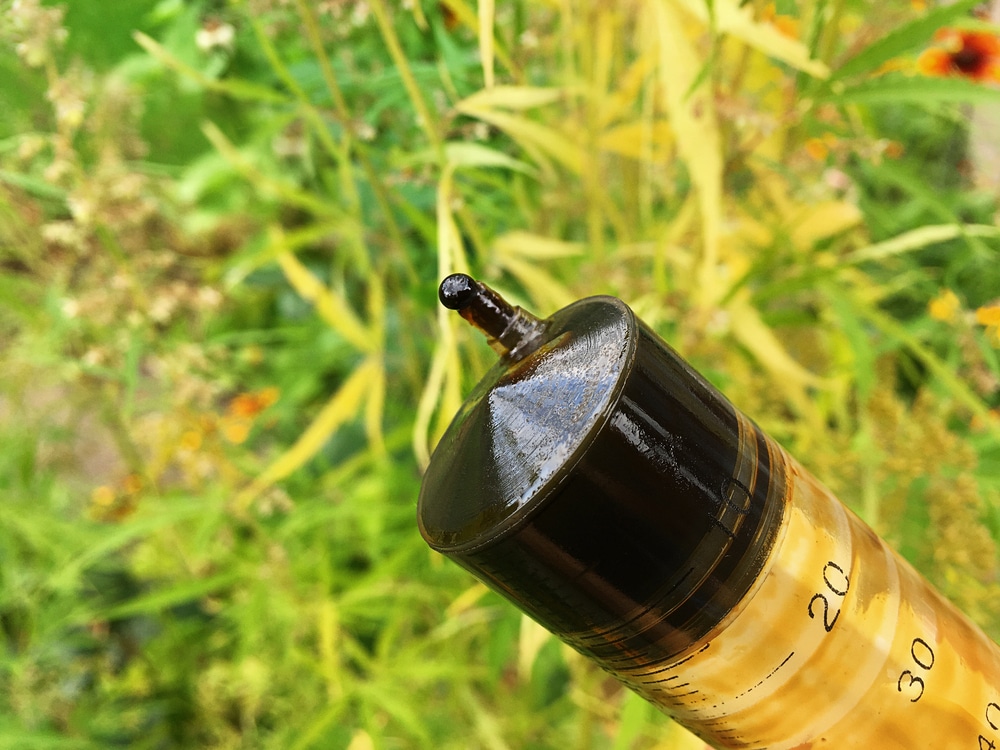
x,y
510,330
458,291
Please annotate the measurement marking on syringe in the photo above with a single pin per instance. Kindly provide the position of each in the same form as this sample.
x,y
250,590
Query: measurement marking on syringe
x,y
666,687
768,677
674,665
688,658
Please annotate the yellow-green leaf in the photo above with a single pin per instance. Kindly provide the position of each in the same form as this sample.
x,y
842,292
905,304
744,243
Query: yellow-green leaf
x,y
375,410
736,18
487,51
543,287
532,135
466,600
361,741
822,220
530,641
759,339
343,406
450,252
534,247
468,154
331,307
639,140
917,239
692,116
622,101
511,97
445,370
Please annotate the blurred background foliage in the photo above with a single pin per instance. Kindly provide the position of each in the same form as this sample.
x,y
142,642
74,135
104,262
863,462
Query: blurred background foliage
x,y
222,224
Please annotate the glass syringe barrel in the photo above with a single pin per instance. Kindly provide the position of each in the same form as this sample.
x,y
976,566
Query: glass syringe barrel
x,y
606,489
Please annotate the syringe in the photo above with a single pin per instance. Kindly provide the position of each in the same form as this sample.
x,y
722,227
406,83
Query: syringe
x,y
605,488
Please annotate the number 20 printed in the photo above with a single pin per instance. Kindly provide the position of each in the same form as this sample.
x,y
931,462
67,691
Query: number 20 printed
x,y
838,583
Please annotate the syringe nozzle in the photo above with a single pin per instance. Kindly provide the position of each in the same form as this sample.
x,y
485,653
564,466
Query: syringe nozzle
x,y
458,291
511,330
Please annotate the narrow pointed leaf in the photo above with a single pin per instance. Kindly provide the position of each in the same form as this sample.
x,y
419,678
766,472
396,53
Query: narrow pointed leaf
x,y
342,407
903,39
331,307
917,89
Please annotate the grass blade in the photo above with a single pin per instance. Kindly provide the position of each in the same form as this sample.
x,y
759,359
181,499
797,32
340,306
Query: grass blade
x,y
487,51
238,89
343,406
332,308
695,125
736,18
917,89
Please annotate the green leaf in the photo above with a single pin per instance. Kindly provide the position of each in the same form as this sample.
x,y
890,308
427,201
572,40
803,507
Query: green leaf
x,y
466,154
858,335
163,598
898,88
902,40
956,387
634,716
19,296
736,19
238,89
512,97
532,135
15,737
917,239
32,185
120,536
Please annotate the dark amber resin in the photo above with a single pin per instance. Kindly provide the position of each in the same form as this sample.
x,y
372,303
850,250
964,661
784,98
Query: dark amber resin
x,y
600,484
593,482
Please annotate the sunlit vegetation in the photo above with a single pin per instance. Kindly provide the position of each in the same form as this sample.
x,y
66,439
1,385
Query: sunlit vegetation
x,y
222,224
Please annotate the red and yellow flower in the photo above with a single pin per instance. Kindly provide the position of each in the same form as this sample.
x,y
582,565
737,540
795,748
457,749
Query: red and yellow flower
x,y
967,54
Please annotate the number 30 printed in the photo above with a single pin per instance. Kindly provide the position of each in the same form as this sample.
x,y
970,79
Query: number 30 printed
x,y
923,657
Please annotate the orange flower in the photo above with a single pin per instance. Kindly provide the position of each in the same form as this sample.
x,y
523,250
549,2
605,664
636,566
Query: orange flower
x,y
817,149
251,404
241,411
979,424
786,25
115,503
969,54
894,149
235,429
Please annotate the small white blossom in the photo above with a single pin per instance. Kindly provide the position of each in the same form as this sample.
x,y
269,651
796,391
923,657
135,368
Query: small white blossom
x,y
360,13
209,297
215,34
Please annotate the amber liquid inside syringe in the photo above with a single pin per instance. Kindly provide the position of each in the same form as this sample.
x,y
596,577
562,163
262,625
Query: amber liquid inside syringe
x,y
606,489
841,644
